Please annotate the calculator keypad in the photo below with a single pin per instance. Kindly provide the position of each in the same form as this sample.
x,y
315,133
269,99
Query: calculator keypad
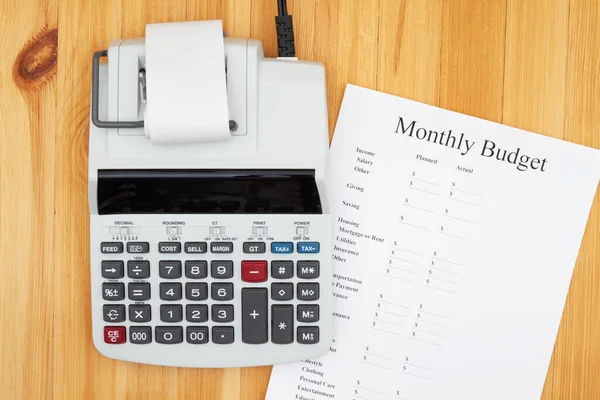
x,y
266,311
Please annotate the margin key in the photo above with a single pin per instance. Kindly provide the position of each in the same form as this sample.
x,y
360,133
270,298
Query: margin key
x,y
254,315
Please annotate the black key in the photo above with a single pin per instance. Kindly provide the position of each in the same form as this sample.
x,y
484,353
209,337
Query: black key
x,y
140,334
282,269
171,313
282,324
221,269
140,313
254,247
222,313
169,247
307,269
111,247
138,247
196,313
195,247
254,315
307,312
197,334
169,334
112,269
139,291
113,291
170,291
308,334
138,269
114,313
221,247
196,269
222,334
196,291
169,269
221,291
282,291
308,291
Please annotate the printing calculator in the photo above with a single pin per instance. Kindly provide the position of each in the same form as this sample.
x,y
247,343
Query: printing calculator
x,y
211,254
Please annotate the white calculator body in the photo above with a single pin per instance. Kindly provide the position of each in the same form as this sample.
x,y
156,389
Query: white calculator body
x,y
212,254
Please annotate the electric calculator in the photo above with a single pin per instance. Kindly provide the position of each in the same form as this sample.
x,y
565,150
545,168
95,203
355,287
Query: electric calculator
x,y
211,254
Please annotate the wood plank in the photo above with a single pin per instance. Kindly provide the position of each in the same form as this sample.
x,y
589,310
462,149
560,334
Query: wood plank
x,y
576,363
80,371
535,62
472,63
410,38
28,91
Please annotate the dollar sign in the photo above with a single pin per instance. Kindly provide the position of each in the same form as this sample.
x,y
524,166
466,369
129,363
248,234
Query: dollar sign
x,y
357,383
414,173
453,184
430,272
380,295
435,253
442,228
404,367
446,211
389,261
451,194
402,218
366,348
420,306
410,183
416,324
406,359
393,252
355,391
406,200
397,393
376,314
427,280
364,357
378,305
387,270
395,242
432,262
418,315
374,323
414,334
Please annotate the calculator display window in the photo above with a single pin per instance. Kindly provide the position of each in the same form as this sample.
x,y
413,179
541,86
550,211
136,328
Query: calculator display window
x,y
207,192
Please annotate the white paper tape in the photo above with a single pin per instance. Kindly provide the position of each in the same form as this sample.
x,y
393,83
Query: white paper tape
x,y
186,84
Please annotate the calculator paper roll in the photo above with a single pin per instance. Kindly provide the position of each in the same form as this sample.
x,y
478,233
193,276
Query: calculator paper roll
x,y
185,83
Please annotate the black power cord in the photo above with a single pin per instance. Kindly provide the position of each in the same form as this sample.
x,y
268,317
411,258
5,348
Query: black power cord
x,y
285,31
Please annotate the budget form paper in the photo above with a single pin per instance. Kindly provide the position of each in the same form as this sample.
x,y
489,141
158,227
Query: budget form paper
x,y
454,242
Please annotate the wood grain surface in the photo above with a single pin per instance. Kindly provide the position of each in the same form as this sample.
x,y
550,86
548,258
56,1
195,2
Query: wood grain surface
x,y
531,64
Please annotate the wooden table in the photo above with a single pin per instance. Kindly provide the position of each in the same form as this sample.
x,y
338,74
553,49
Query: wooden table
x,y
532,64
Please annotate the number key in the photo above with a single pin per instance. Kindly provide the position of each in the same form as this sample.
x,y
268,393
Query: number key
x,y
221,291
169,269
196,269
196,291
171,313
222,313
169,334
196,313
140,334
170,291
221,269
197,334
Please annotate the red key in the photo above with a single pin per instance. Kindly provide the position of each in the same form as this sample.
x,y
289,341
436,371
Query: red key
x,y
254,271
114,334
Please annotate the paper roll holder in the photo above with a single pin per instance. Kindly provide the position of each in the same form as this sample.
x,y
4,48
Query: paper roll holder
x,y
95,117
